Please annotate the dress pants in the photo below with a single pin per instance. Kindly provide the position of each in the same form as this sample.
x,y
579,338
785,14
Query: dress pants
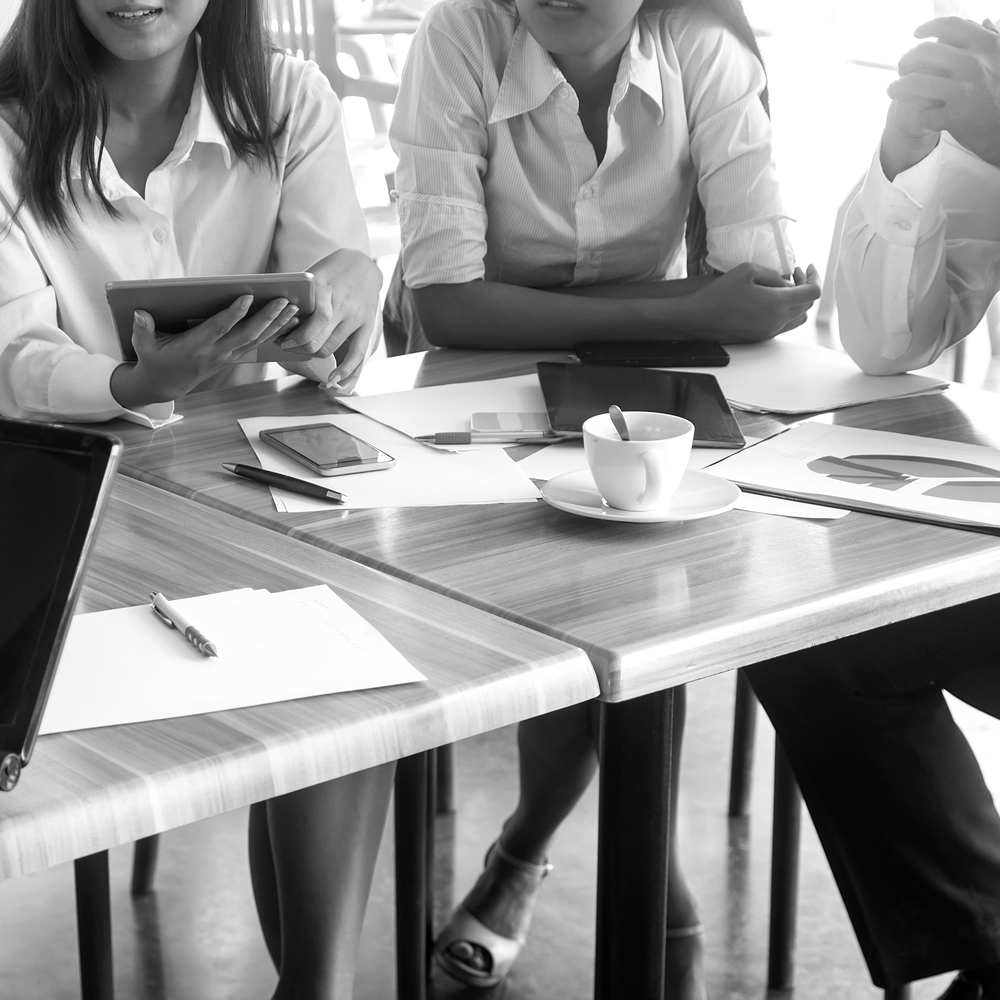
x,y
893,788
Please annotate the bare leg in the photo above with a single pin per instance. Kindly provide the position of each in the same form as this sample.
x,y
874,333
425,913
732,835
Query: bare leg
x,y
312,885
558,760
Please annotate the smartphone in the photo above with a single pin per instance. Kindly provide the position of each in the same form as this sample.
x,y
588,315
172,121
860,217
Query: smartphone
x,y
655,354
528,424
326,450
178,304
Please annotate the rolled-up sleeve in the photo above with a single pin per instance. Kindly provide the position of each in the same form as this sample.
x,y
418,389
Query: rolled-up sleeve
x,y
319,210
439,133
919,259
730,137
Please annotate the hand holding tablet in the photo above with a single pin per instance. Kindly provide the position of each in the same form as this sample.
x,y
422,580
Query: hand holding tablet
x,y
178,305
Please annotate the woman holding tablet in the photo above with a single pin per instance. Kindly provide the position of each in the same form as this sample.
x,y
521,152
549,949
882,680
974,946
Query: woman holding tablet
x,y
133,147
552,155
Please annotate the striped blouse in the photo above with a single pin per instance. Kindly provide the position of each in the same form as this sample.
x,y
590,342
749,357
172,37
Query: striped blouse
x,y
498,180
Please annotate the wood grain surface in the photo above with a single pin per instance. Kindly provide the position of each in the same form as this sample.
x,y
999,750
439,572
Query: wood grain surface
x,y
652,604
87,791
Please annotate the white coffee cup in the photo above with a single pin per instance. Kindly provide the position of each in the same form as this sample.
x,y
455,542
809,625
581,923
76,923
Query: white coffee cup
x,y
644,472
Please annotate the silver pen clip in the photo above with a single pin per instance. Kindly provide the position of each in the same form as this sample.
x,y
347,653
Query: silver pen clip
x,y
163,618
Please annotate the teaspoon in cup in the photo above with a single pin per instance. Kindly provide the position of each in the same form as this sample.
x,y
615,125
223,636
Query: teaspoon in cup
x,y
618,419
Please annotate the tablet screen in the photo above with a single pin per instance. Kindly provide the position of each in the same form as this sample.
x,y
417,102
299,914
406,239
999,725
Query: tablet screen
x,y
575,392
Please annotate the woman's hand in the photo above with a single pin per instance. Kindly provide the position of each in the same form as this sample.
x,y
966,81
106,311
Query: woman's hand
x,y
347,287
170,365
751,303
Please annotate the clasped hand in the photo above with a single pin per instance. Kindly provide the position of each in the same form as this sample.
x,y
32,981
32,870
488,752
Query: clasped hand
x,y
951,82
752,303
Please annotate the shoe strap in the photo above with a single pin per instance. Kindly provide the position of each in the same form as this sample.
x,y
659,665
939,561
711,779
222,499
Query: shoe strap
x,y
683,932
539,871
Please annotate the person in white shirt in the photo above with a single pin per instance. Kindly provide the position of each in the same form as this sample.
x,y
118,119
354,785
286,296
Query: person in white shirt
x,y
177,188
551,155
920,255
894,790
130,147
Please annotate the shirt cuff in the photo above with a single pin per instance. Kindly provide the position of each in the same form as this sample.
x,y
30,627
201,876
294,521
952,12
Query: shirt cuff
x,y
80,389
903,210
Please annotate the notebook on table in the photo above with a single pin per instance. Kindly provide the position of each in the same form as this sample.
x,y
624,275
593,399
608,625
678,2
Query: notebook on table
x,y
56,481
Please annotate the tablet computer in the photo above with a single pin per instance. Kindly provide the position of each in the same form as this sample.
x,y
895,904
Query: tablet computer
x,y
57,480
574,392
178,304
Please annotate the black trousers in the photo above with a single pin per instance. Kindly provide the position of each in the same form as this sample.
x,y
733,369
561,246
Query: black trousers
x,y
895,793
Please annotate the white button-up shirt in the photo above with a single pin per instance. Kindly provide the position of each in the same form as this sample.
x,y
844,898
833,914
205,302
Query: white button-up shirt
x,y
204,212
919,260
498,180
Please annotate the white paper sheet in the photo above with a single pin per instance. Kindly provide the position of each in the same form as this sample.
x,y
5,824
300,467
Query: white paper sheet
x,y
778,376
125,666
421,477
943,482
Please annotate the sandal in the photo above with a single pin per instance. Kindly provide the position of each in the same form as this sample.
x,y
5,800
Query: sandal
x,y
472,953
685,966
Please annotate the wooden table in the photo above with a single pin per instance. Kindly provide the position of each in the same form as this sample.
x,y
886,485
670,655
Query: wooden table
x,y
654,606
87,791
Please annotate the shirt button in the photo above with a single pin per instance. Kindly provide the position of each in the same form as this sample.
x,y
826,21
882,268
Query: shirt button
x,y
904,226
563,93
160,235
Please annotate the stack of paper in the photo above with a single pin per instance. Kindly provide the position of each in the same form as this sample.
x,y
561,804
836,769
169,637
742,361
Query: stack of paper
x,y
779,376
126,666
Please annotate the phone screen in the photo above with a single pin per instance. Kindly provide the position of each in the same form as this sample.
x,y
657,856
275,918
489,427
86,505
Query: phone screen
x,y
325,445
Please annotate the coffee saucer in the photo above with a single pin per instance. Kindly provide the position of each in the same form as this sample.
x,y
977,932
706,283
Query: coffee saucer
x,y
700,494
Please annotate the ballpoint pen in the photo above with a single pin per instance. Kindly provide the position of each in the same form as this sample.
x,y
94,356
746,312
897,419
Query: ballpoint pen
x,y
469,437
284,482
169,615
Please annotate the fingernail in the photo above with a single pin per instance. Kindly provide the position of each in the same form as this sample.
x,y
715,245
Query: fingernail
x,y
246,301
139,319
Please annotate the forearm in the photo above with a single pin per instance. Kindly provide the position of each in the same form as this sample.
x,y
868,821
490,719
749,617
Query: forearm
x,y
915,270
494,315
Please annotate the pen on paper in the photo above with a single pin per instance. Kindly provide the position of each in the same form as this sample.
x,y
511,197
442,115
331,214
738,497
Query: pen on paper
x,y
169,615
467,437
283,482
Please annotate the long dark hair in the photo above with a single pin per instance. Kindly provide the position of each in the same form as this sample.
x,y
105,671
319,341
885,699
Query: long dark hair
x,y
49,76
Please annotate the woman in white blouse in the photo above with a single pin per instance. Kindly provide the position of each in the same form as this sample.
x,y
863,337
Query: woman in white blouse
x,y
552,153
131,147
136,148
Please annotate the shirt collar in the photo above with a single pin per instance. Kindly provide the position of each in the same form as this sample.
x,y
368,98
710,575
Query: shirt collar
x,y
200,125
531,75
528,79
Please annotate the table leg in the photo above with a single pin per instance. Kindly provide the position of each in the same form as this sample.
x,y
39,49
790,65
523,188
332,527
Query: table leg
x,y
93,927
784,873
413,933
633,844
744,729
144,864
